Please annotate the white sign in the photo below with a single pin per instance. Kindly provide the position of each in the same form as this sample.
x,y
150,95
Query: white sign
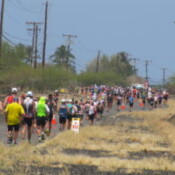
x,y
75,125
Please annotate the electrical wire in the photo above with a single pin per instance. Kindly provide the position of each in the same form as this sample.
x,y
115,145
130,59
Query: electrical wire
x,y
13,19
24,4
22,39
21,8
7,39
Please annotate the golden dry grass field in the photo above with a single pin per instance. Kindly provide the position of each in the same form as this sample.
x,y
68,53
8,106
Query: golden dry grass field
x,y
141,142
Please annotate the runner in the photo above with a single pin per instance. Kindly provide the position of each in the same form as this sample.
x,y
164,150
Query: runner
x,y
63,110
91,113
13,114
151,102
160,99
165,97
69,113
155,100
29,108
109,102
1,106
74,109
11,96
100,109
42,110
119,102
131,103
86,110
81,112
143,97
56,97
52,107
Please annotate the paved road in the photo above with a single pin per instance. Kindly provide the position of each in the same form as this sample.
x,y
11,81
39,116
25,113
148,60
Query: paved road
x,y
55,129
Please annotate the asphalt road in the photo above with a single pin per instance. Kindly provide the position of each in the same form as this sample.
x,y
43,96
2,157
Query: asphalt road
x,y
55,128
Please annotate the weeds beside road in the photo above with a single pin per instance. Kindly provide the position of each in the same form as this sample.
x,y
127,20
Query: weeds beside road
x,y
141,143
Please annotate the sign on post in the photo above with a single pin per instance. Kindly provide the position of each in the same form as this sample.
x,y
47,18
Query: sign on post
x,y
75,125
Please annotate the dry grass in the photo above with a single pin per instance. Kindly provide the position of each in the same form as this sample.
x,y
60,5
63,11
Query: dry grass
x,y
117,140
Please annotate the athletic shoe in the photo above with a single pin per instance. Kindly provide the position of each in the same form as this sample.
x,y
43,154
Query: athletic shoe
x,y
39,138
42,137
9,140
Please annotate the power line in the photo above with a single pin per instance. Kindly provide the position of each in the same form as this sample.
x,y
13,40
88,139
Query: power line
x,y
7,39
22,39
13,19
28,5
22,7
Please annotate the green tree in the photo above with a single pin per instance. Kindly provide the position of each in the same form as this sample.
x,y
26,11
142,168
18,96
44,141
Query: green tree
x,y
118,63
64,58
14,55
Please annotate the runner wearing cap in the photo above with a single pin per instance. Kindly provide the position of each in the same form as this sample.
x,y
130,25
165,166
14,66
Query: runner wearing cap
x,y
52,107
131,102
11,96
91,113
42,111
13,114
56,97
69,113
63,111
29,108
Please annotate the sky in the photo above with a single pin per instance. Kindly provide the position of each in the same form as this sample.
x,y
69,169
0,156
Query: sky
x,y
143,28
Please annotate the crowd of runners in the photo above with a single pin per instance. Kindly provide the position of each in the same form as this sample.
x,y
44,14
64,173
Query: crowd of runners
x,y
30,114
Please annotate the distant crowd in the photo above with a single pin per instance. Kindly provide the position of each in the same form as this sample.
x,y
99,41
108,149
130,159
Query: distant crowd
x,y
35,115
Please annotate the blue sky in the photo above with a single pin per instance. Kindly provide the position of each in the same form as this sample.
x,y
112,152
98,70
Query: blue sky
x,y
143,28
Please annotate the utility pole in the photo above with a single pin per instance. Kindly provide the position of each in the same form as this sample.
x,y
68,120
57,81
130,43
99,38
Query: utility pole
x,y
146,69
1,27
45,35
34,30
33,39
69,36
97,65
163,76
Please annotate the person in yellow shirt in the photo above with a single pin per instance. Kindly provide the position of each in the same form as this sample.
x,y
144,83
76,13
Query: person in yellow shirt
x,y
13,114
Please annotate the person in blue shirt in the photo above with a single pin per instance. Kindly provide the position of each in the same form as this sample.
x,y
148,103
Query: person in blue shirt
x,y
69,114
131,102
63,110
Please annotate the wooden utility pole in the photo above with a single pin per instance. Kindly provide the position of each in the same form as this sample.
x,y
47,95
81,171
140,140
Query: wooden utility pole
x,y
1,27
45,35
69,36
34,53
163,76
97,65
146,69
33,40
